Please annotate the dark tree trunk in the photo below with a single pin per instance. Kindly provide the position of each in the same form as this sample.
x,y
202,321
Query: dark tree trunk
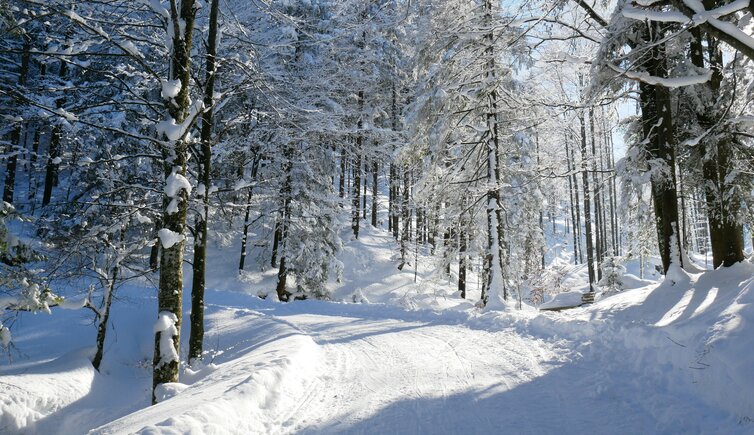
x,y
355,201
15,136
598,235
375,176
364,193
587,206
196,332
247,213
10,168
726,233
446,253
52,165
342,180
390,198
657,124
463,259
277,235
285,193
574,197
406,215
104,318
32,193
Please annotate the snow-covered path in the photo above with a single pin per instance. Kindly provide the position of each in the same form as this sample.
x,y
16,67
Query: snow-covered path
x,y
411,358
394,376
319,367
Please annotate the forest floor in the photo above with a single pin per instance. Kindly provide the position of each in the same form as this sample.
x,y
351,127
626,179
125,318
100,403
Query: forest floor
x,y
408,357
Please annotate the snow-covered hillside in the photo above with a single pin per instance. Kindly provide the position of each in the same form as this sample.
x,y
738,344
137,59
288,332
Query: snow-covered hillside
x,y
405,358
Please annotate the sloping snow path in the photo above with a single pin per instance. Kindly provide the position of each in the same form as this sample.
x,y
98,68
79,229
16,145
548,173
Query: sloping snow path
x,y
322,371
318,367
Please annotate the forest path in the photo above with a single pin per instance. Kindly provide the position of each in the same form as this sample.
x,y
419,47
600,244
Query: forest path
x,y
430,375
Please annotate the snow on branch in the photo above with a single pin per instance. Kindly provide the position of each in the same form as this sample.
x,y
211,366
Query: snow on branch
x,y
671,82
653,15
693,13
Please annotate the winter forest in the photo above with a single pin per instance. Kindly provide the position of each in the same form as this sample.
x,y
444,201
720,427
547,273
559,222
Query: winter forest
x,y
376,216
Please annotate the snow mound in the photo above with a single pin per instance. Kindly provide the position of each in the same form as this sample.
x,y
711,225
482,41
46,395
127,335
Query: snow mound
x,y
30,396
253,392
563,300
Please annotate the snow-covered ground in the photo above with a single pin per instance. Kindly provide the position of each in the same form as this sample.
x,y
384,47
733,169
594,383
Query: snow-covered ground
x,y
407,357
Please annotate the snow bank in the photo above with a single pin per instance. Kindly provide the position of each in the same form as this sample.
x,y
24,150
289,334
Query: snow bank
x,y
29,397
691,336
254,391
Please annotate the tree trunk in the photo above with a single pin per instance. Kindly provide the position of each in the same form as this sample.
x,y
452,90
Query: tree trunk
x,y
104,318
657,124
406,215
52,165
15,136
364,193
355,201
573,189
276,237
375,176
285,192
494,261
726,233
175,155
196,333
247,213
342,180
587,206
462,259
598,235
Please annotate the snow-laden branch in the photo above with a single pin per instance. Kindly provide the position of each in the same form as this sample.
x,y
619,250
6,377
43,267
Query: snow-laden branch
x,y
670,82
693,13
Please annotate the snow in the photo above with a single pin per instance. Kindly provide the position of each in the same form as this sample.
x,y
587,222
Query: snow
x,y
158,7
563,300
5,335
170,88
668,82
653,15
408,357
170,129
175,183
165,325
168,238
174,131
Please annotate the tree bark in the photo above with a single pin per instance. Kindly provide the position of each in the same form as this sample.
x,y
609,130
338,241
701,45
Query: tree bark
x,y
104,318
375,176
573,195
726,233
587,206
285,191
463,258
406,216
494,260
247,213
175,156
15,136
196,332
